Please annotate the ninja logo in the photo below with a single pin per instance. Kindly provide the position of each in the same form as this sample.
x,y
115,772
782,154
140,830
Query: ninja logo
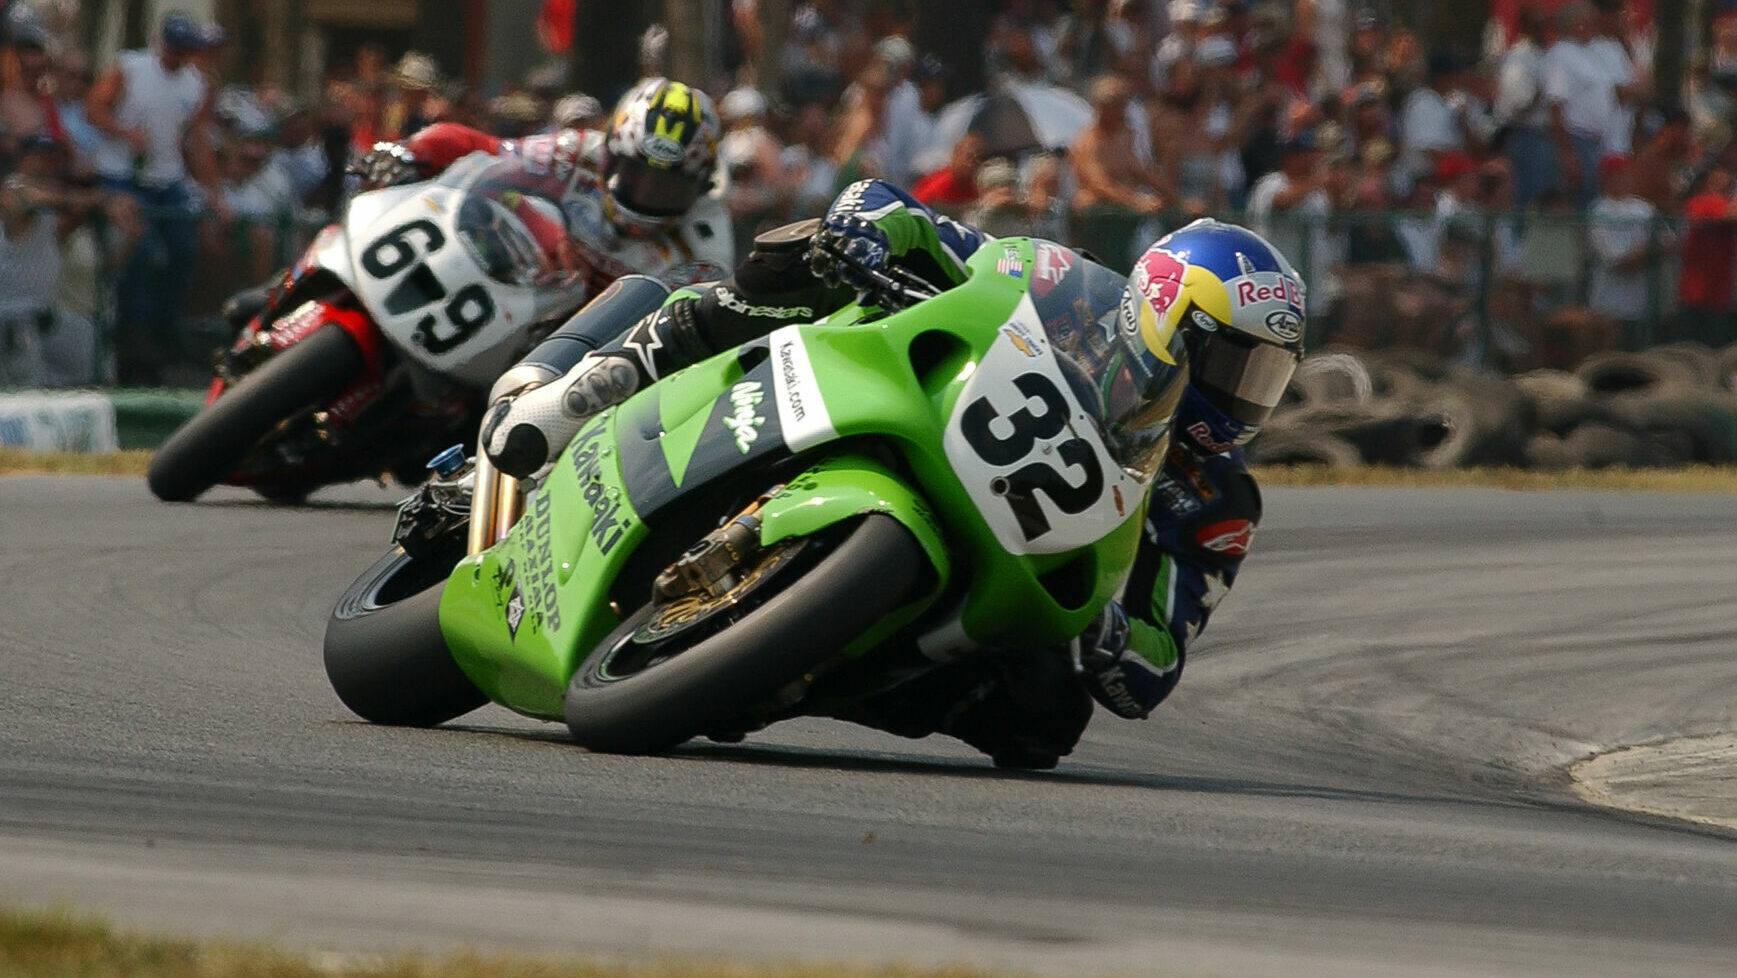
x,y
745,423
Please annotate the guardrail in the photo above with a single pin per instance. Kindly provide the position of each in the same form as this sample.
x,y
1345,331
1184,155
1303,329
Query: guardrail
x,y
1496,289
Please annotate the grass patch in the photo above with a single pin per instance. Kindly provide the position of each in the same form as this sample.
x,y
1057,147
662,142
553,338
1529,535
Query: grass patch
x,y
21,461
61,945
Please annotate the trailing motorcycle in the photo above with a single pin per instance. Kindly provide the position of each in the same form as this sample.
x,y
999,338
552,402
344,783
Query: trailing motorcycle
x,y
813,517
380,343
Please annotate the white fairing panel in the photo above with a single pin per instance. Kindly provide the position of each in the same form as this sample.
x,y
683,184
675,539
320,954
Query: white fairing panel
x,y
1029,454
430,297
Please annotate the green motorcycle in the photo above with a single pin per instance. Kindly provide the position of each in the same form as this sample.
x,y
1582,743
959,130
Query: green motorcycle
x,y
813,517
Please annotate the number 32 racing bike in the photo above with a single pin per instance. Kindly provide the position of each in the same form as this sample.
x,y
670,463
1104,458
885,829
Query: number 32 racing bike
x,y
379,345
816,516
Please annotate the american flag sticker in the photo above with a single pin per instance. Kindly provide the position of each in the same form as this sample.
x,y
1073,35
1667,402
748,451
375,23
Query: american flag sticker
x,y
1010,264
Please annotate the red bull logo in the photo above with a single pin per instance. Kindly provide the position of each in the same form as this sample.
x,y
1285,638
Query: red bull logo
x,y
1285,289
1158,276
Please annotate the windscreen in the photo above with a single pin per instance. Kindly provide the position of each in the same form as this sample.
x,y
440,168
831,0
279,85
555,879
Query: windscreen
x,y
1133,390
512,221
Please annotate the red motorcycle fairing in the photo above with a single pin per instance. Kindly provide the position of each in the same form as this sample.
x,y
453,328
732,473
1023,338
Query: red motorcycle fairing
x,y
286,331
424,426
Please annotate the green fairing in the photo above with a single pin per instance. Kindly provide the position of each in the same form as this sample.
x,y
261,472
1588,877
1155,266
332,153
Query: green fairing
x,y
527,670
892,381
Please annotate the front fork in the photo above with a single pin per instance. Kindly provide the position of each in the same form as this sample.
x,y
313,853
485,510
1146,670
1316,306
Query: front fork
x,y
495,505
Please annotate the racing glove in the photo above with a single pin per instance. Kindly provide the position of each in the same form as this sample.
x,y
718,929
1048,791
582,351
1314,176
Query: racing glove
x,y
845,247
1122,680
523,433
388,164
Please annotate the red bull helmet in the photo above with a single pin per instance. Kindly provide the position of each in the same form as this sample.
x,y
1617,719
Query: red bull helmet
x,y
1238,305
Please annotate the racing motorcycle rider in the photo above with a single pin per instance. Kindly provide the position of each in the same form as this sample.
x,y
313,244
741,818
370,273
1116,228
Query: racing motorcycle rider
x,y
633,199
1239,305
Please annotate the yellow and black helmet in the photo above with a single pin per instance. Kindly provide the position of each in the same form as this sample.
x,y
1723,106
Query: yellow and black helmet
x,y
661,151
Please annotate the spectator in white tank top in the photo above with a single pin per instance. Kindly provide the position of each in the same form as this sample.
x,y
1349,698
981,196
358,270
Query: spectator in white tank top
x,y
157,107
1581,95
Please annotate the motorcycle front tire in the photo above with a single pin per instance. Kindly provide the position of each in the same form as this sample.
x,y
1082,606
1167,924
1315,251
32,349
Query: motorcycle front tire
x,y
804,619
385,655
205,450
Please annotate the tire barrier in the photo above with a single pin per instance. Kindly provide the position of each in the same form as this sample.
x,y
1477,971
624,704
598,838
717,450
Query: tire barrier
x,y
1725,369
1671,405
1303,448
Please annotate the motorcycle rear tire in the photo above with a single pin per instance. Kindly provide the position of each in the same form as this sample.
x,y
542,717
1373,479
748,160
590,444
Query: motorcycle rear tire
x,y
208,447
385,655
802,620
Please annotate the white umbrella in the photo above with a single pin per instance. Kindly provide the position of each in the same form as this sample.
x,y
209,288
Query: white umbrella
x,y
1018,118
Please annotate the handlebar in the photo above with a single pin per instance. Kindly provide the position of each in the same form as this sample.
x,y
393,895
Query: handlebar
x,y
892,288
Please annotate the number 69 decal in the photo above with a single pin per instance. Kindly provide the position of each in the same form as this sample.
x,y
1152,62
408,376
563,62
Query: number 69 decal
x,y
1074,486
403,254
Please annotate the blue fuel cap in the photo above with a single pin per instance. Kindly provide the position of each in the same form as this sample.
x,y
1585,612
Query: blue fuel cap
x,y
448,462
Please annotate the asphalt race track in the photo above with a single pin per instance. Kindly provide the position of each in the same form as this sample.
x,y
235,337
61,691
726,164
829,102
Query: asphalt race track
x,y
1363,772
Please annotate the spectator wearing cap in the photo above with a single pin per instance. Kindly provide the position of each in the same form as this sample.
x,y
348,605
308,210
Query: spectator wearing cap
x,y
417,80
882,127
157,106
906,128
299,151
1621,234
996,207
753,158
40,344
1367,118
1222,121
1290,207
516,114
1582,98
1432,121
28,108
261,201
1522,111
1107,167
1178,45
931,76
1085,46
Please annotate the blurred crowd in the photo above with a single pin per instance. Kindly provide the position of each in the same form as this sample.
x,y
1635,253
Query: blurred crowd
x,y
1520,204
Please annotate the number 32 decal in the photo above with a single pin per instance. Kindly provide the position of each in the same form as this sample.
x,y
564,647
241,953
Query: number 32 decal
x,y
1021,487
466,311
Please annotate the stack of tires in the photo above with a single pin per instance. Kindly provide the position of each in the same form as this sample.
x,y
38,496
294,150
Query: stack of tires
x,y
1669,406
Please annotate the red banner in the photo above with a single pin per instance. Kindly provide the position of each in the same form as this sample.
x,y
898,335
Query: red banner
x,y
555,26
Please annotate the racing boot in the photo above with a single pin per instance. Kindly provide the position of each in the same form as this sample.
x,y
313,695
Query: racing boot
x,y
523,434
1025,708
1029,716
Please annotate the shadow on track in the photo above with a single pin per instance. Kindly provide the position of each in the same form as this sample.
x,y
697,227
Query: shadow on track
x,y
979,769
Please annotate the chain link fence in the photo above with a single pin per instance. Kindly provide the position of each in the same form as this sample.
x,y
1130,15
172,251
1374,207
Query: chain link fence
x,y
1503,291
